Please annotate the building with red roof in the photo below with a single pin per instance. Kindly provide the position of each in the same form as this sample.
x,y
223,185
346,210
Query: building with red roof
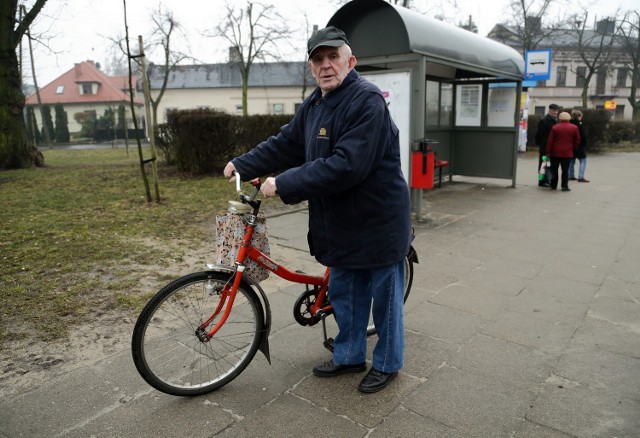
x,y
83,91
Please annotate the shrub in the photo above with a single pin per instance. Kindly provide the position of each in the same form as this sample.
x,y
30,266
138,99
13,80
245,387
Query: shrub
x,y
61,128
595,122
621,131
203,141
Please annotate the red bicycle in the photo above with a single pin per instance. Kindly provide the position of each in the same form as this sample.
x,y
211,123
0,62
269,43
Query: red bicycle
x,y
199,332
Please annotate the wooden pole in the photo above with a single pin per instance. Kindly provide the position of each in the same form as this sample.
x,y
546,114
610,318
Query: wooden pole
x,y
150,127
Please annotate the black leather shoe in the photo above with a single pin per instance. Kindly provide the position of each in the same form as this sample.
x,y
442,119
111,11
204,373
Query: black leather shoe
x,y
566,189
332,369
376,380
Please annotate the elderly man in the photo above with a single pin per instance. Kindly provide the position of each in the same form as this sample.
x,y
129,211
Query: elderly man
x,y
341,153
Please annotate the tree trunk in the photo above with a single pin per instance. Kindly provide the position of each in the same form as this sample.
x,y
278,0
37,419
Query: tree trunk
x,y
16,150
245,89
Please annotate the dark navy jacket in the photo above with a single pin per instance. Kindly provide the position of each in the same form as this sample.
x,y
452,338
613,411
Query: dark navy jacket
x,y
341,152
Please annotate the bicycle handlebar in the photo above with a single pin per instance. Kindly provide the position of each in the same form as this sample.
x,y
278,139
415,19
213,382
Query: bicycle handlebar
x,y
254,182
238,180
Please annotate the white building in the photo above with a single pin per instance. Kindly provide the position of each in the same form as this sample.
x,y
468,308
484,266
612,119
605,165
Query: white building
x,y
568,70
274,88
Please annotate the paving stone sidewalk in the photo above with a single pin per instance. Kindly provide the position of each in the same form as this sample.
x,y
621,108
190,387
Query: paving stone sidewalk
x,y
523,321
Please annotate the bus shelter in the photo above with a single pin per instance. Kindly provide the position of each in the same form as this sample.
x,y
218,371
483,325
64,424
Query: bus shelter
x,y
448,89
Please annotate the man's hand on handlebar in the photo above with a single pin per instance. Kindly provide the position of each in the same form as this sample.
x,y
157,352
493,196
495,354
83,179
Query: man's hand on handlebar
x,y
269,187
230,172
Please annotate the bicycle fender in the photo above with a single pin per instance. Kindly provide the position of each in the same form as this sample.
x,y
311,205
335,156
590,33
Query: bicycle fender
x,y
412,255
266,307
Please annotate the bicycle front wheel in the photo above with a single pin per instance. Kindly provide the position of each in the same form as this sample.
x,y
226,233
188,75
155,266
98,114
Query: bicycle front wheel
x,y
167,349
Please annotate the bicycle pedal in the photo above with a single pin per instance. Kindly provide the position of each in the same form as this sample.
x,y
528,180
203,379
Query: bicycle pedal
x,y
328,344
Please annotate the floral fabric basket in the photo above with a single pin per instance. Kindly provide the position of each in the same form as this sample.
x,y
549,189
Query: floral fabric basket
x,y
229,232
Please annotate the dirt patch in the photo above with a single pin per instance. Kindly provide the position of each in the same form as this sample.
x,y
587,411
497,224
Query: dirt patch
x,y
25,365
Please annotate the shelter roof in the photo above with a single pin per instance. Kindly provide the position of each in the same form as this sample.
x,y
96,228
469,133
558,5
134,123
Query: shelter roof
x,y
378,28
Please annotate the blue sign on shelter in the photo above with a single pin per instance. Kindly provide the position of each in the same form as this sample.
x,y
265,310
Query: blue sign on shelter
x,y
537,65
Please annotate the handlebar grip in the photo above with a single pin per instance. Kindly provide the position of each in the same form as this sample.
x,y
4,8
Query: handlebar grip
x,y
238,180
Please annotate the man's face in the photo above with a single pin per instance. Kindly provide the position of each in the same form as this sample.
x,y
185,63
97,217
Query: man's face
x,y
554,113
330,65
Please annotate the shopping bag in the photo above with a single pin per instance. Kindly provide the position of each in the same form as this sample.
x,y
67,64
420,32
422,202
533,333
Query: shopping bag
x,y
229,232
548,174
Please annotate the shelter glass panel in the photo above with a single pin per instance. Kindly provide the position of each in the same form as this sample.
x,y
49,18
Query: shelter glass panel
x,y
502,105
468,104
446,105
432,103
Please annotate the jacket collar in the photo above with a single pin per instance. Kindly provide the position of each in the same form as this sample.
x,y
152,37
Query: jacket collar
x,y
334,97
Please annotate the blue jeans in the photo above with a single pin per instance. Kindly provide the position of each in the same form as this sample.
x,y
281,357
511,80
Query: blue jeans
x,y
581,167
351,292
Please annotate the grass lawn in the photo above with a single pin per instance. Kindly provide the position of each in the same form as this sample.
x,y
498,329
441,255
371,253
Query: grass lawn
x,y
74,233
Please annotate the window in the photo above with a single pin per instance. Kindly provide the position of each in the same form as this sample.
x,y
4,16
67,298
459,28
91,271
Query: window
x,y
446,104
433,102
60,89
619,113
621,81
439,104
601,79
540,111
561,76
541,84
86,89
581,74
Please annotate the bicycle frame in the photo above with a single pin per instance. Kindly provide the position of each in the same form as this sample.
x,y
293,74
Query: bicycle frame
x,y
248,251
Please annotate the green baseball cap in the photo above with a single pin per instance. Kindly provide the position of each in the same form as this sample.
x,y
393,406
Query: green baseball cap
x,y
329,36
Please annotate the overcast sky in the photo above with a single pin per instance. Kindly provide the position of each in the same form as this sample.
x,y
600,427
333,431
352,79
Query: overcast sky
x,y
78,30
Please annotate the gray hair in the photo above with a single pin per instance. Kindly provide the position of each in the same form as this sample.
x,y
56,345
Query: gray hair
x,y
564,116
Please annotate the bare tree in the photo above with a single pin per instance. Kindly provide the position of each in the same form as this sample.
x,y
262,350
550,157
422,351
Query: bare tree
x,y
594,48
165,28
629,35
127,48
253,33
529,26
16,149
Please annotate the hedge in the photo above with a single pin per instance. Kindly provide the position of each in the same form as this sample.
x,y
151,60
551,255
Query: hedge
x,y
203,141
599,127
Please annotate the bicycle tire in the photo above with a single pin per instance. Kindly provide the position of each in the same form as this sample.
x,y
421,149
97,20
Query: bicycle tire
x,y
408,281
169,355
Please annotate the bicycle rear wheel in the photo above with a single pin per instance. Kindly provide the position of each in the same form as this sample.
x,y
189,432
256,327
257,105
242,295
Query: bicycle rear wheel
x,y
167,350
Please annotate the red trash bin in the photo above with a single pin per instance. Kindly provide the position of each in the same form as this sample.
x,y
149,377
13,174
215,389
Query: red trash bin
x,y
422,165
